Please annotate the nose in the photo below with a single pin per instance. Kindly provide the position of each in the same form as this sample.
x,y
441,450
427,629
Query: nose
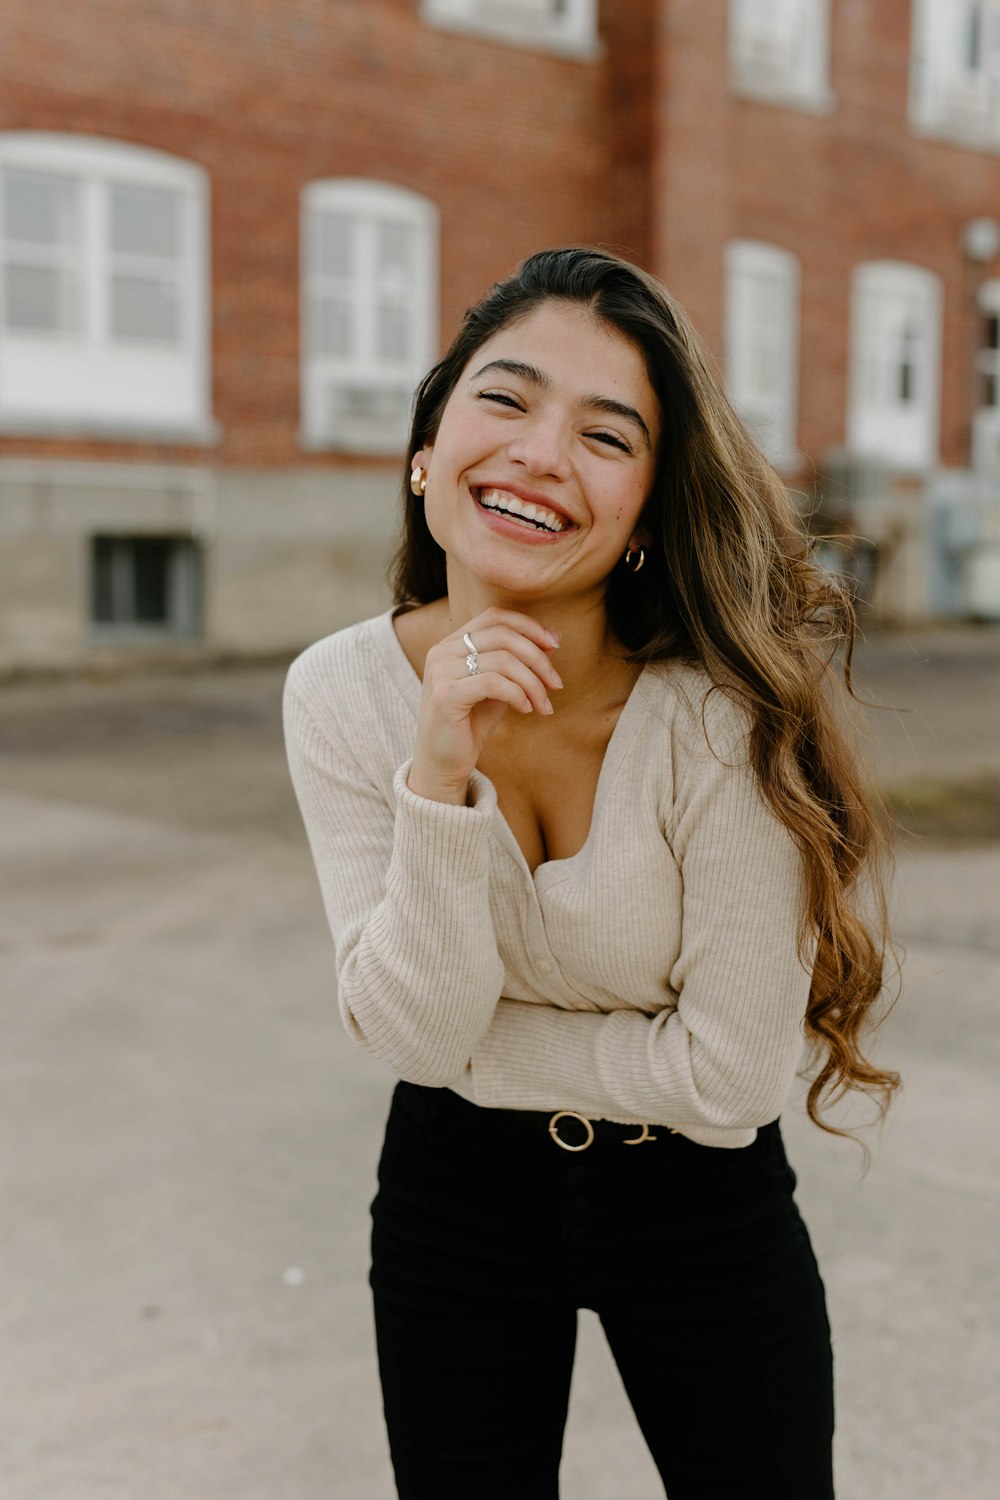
x,y
542,446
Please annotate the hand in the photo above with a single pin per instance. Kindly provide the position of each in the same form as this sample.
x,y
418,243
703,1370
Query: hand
x,y
459,710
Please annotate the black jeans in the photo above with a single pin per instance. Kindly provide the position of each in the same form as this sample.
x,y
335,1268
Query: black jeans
x,y
487,1238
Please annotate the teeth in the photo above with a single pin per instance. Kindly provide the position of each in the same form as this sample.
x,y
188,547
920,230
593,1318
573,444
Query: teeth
x,y
503,501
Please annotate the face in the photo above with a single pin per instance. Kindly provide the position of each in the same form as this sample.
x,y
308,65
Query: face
x,y
544,457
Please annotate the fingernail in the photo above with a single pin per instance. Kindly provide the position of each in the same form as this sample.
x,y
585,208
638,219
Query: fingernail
x,y
553,636
557,679
548,707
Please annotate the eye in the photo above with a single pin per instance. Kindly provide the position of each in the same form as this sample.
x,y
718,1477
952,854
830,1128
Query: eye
x,y
504,398
612,439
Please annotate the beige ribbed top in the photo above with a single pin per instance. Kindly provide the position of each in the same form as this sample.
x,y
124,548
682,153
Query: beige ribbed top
x,y
654,976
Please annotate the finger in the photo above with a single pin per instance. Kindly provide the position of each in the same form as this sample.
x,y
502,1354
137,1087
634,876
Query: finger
x,y
527,625
494,687
503,638
506,664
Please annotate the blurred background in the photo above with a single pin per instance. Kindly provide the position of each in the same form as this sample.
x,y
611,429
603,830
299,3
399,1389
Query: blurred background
x,y
232,237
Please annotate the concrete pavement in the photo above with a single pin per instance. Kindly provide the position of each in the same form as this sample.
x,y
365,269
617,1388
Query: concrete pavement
x,y
190,1141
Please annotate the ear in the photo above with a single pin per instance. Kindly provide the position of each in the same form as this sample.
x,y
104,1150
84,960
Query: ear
x,y
641,537
422,457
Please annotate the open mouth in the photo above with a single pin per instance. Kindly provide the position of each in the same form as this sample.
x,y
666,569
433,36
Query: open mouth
x,y
534,517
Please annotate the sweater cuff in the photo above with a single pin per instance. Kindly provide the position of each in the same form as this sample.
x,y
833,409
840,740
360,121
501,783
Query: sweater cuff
x,y
481,799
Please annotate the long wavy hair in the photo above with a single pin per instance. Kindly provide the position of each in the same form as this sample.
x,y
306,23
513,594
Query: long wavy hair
x,y
729,583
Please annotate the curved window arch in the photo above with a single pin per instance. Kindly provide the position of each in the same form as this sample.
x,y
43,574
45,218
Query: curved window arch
x,y
104,302
369,311
762,344
894,394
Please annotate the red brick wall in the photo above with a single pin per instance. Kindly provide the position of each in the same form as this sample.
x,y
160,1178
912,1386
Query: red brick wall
x,y
836,189
268,95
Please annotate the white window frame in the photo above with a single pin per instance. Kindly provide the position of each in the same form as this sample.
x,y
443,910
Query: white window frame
x,y
787,65
880,424
771,414
955,96
364,376
88,381
566,26
986,416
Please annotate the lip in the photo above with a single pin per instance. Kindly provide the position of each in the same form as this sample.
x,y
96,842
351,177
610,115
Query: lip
x,y
530,497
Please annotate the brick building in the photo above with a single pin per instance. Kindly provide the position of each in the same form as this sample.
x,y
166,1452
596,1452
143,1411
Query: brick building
x,y
233,235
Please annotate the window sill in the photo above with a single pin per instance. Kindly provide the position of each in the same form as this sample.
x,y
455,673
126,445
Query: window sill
x,y
818,103
964,137
198,434
519,34
139,638
356,445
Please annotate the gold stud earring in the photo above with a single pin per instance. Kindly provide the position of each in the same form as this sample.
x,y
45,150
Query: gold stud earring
x,y
634,567
418,480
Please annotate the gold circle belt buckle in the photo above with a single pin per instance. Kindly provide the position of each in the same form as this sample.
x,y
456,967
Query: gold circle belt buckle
x,y
571,1114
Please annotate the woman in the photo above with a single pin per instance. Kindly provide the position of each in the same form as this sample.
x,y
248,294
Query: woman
x,y
590,842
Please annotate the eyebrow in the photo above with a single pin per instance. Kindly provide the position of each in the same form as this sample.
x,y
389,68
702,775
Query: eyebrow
x,y
538,378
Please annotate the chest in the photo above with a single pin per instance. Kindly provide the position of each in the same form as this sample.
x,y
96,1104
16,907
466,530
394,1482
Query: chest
x,y
546,789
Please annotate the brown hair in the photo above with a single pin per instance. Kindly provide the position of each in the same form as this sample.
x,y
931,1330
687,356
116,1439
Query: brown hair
x,y
729,582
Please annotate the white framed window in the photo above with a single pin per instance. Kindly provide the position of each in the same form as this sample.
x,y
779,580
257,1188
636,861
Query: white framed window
x,y
551,25
955,70
762,344
104,300
779,51
369,311
894,386
986,416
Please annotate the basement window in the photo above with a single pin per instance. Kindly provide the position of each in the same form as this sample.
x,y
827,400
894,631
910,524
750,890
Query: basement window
x,y
144,588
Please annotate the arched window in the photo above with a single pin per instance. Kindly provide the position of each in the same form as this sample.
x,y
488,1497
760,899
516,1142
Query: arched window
x,y
893,404
369,309
104,302
762,338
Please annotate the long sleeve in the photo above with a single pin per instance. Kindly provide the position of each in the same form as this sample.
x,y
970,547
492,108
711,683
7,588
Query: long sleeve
x,y
405,884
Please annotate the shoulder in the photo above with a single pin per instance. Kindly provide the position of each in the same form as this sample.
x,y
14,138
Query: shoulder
x,y
704,718
340,682
344,663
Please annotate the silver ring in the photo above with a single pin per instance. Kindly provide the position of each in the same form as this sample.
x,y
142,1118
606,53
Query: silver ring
x,y
472,660
470,643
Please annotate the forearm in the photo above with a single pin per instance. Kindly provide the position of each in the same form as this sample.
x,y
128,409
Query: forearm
x,y
419,979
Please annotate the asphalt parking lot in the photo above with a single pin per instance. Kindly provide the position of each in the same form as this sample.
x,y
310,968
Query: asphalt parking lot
x,y
190,1141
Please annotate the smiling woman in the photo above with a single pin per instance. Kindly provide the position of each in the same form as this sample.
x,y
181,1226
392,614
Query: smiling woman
x,y
585,908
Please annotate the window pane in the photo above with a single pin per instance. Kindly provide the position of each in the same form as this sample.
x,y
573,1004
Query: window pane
x,y
149,559
102,599
332,327
396,253
145,309
395,332
40,209
331,244
146,221
41,299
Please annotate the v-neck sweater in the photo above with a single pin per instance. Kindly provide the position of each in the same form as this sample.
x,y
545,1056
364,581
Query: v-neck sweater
x,y
654,976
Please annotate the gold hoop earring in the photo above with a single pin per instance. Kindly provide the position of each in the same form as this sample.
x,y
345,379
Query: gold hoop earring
x,y
634,567
418,481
